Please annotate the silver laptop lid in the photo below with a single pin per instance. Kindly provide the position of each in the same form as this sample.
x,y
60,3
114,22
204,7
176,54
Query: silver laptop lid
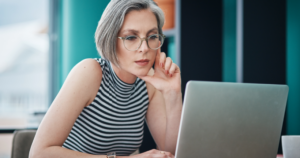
x,y
231,120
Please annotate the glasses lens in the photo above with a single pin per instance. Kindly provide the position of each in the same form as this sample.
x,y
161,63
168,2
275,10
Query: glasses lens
x,y
155,41
132,42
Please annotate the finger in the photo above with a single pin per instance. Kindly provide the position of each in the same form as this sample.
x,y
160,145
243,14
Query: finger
x,y
170,155
168,64
172,69
177,70
165,153
153,151
159,156
157,57
162,59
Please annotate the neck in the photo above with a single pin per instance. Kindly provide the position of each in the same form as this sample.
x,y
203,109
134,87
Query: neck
x,y
124,75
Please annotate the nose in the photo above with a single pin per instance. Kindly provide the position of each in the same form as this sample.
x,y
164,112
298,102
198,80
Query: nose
x,y
144,47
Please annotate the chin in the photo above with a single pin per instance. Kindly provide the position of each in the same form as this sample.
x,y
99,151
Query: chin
x,y
142,72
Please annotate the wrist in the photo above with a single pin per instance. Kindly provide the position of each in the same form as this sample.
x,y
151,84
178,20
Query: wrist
x,y
173,112
171,94
173,102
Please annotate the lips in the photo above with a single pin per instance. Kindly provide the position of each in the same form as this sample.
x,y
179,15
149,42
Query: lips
x,y
142,62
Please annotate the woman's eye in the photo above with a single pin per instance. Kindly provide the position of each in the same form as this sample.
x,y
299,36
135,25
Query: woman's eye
x,y
153,37
130,38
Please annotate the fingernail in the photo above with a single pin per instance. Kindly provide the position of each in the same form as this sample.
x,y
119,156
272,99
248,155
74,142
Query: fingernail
x,y
167,71
171,75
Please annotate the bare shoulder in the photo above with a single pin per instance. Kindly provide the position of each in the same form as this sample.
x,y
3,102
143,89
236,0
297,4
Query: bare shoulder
x,y
87,67
88,71
87,75
150,88
78,89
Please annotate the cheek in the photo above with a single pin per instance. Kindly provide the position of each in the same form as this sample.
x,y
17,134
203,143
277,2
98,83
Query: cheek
x,y
152,61
122,53
120,49
153,56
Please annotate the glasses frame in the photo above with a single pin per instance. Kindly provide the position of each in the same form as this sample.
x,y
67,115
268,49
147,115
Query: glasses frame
x,y
144,39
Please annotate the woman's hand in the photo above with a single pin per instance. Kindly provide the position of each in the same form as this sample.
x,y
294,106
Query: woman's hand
x,y
154,154
166,74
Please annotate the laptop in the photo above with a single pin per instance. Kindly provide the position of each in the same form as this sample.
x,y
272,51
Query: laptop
x,y
231,120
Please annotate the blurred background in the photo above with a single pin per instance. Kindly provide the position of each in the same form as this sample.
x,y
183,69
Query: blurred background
x,y
24,66
250,41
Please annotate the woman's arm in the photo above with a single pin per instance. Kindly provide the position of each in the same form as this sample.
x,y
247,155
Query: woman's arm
x,y
173,103
164,111
78,91
163,118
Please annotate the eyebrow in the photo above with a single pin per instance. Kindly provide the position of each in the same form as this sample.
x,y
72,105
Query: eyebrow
x,y
136,31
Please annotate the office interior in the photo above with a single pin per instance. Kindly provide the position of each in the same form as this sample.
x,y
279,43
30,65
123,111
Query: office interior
x,y
244,41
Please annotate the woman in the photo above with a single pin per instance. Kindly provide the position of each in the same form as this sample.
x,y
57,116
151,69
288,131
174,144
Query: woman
x,y
102,106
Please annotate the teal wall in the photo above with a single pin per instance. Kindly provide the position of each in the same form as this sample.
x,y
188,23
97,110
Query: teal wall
x,y
229,41
78,23
293,67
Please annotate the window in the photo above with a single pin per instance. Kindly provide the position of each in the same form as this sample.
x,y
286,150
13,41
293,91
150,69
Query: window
x,y
24,60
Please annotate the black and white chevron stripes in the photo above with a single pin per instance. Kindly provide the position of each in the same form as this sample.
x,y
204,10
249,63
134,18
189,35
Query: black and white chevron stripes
x,y
114,121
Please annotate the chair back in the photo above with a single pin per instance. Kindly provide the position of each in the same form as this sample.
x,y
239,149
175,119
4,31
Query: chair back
x,y
22,141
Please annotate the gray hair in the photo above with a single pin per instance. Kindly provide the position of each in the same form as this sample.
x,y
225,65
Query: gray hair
x,y
112,20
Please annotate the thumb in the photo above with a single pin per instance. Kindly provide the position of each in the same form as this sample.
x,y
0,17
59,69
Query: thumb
x,y
147,78
154,81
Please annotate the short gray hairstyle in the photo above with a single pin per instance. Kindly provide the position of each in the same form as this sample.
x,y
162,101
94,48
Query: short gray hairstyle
x,y
112,20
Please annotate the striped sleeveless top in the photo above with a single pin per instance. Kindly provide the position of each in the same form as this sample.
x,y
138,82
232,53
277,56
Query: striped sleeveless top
x,y
114,121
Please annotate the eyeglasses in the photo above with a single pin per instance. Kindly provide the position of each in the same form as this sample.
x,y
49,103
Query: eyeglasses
x,y
134,42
